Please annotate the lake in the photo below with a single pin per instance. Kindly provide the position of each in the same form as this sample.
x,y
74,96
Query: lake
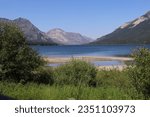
x,y
96,63
88,50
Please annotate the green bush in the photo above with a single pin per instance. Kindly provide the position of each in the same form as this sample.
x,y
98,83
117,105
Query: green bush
x,y
113,78
43,76
17,60
76,72
140,71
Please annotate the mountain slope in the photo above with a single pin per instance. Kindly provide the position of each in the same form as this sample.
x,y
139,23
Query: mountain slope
x,y
134,32
31,32
67,38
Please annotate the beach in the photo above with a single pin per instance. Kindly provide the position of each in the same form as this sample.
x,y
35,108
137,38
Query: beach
x,y
90,59
86,58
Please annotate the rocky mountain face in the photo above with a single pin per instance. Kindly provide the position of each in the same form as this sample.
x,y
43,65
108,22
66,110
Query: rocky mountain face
x,y
54,36
67,38
134,32
31,32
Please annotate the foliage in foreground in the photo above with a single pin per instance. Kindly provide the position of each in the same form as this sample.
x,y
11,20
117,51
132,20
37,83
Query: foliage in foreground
x,y
43,75
140,71
74,80
17,60
34,91
75,72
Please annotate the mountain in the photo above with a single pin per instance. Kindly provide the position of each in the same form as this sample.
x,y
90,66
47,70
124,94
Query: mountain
x,y
134,32
31,32
67,38
55,36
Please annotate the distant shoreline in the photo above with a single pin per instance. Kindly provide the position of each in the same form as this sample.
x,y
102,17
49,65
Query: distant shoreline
x,y
86,58
56,60
48,44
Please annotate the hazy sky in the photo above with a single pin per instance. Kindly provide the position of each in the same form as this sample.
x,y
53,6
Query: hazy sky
x,y
92,18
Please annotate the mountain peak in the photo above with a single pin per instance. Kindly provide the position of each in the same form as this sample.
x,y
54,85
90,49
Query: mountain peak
x,y
147,15
56,30
134,32
148,12
4,20
32,33
22,20
67,38
136,22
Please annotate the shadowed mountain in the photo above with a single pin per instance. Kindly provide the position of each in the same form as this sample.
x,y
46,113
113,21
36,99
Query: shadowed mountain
x,y
134,32
31,32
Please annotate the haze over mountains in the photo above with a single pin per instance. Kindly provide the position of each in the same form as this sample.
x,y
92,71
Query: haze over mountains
x,y
133,32
54,36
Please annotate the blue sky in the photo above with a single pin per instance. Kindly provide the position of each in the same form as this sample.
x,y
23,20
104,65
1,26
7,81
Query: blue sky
x,y
92,18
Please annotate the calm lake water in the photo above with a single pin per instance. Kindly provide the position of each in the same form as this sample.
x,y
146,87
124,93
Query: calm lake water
x,y
96,63
88,50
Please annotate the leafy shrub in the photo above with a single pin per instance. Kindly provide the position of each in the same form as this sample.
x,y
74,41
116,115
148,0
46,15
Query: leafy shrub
x,y
140,71
43,76
113,78
118,80
17,60
75,72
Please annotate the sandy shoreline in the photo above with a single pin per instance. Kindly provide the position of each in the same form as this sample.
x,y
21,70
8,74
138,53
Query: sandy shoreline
x,y
92,58
86,58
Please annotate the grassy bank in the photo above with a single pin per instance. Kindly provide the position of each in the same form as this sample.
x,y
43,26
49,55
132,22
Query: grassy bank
x,y
78,80
112,85
46,92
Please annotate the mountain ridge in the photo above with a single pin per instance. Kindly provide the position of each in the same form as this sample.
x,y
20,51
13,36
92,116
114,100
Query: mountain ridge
x,y
133,32
67,38
31,32
36,36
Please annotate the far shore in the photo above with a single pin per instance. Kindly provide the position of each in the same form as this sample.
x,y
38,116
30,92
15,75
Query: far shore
x,y
90,59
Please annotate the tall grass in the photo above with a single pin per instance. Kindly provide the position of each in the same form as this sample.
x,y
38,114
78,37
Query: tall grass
x,y
75,80
46,92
